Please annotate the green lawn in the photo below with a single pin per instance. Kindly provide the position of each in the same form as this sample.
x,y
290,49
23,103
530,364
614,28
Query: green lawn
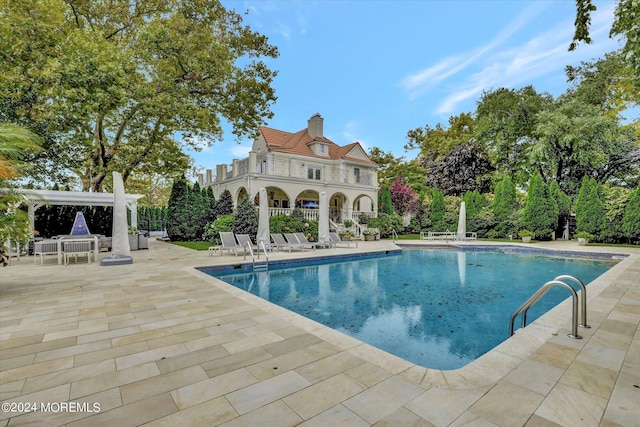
x,y
198,246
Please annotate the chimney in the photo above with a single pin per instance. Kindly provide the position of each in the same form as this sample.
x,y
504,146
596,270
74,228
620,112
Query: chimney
x,y
315,126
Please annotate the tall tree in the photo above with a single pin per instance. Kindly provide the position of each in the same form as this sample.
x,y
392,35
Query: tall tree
x,y
631,220
123,85
438,211
540,209
438,141
404,199
504,206
465,168
385,205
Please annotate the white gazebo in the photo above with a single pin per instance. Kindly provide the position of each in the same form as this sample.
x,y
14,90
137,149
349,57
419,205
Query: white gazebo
x,y
38,198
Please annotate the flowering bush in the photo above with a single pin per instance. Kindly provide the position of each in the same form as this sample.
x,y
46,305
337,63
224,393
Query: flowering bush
x,y
371,231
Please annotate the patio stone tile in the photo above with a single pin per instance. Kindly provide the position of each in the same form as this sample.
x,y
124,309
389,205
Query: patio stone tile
x,y
161,383
368,374
65,376
75,332
323,395
537,421
111,380
223,326
55,394
235,314
199,392
267,391
383,399
106,400
443,406
338,416
153,355
507,404
590,378
214,340
535,376
18,361
555,355
612,340
291,344
134,414
276,414
405,418
618,327
281,364
36,369
602,356
235,361
165,323
191,358
469,419
11,389
261,328
329,366
623,407
34,345
177,338
248,343
568,406
19,343
113,333
141,336
210,413
110,353
43,356
200,324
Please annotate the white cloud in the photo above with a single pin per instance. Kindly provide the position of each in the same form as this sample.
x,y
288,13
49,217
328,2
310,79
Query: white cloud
x,y
539,56
239,151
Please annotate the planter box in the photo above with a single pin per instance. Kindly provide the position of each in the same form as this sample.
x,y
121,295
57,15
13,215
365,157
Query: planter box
x,y
369,237
526,239
133,242
143,242
582,241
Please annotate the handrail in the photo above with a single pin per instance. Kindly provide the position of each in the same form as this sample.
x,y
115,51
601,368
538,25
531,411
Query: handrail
x,y
583,288
394,235
253,258
248,245
264,249
536,297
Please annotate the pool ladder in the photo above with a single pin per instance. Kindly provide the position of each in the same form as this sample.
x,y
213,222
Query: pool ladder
x,y
558,281
258,265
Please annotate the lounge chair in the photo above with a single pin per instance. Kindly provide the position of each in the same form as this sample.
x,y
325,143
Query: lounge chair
x,y
229,242
280,242
335,239
292,239
303,239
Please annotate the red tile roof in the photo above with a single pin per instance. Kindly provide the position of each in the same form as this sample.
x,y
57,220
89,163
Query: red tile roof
x,y
300,143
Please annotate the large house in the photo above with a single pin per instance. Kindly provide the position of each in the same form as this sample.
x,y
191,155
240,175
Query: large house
x,y
295,167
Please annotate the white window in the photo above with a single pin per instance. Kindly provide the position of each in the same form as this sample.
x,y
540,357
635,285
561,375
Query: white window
x,y
313,173
356,174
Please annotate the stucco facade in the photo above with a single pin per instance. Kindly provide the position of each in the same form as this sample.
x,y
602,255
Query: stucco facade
x,y
295,167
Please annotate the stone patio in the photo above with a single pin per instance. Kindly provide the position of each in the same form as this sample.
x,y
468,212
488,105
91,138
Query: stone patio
x,y
160,343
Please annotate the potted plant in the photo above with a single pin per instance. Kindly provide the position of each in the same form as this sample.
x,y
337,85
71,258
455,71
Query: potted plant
x,y
584,237
370,233
526,235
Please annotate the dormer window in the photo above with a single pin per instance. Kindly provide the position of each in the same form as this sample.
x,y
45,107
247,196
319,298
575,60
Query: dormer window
x,y
320,148
323,148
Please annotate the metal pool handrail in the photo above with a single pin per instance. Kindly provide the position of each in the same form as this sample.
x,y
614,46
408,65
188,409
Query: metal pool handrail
x,y
536,297
583,288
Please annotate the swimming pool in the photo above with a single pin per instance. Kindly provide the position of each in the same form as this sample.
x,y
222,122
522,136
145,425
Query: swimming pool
x,y
437,308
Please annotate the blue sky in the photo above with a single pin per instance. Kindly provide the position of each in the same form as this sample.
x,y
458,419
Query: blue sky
x,y
375,69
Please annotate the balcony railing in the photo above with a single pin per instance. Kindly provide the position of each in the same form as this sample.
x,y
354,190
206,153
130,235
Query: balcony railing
x,y
304,170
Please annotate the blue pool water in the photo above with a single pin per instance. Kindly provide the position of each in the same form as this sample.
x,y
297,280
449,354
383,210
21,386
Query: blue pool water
x,y
437,308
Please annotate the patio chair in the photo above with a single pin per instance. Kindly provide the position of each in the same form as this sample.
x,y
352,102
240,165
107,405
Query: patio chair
x,y
335,239
229,242
303,239
73,249
280,242
43,249
292,239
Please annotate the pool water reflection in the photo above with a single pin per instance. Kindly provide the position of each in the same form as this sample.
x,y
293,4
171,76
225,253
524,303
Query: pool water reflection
x,y
439,309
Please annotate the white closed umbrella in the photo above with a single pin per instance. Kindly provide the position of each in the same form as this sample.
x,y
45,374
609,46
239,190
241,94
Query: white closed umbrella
x,y
323,219
462,222
263,218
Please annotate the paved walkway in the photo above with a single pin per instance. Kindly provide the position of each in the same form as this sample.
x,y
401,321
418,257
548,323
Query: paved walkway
x,y
159,343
